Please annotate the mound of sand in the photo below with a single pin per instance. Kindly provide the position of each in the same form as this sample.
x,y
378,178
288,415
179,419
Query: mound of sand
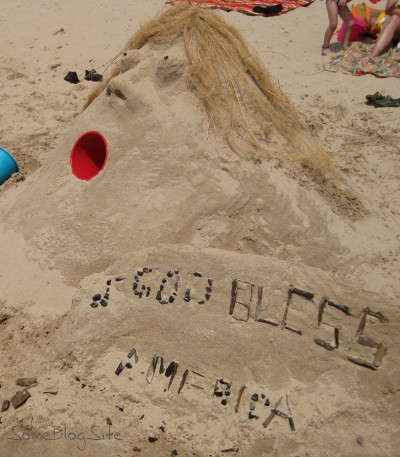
x,y
212,177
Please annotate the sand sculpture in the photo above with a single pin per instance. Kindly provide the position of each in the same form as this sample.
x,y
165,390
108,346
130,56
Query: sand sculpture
x,y
213,197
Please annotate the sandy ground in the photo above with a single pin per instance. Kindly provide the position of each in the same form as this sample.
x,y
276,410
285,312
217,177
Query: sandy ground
x,y
174,198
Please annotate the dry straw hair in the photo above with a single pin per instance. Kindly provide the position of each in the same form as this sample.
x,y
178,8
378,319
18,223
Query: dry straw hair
x,y
248,108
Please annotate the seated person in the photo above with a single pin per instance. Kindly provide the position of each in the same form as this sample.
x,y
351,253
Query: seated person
x,y
390,30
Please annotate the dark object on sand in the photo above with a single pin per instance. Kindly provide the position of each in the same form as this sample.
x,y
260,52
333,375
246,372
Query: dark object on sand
x,y
382,101
72,77
20,398
5,406
26,382
94,304
273,9
152,439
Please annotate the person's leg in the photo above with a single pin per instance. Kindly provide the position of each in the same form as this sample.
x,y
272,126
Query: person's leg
x,y
347,18
390,30
332,8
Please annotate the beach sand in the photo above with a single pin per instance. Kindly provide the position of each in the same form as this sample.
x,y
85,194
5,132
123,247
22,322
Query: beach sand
x,y
180,217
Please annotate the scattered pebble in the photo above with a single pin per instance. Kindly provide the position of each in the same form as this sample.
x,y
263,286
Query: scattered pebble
x,y
20,398
108,420
360,440
96,297
152,439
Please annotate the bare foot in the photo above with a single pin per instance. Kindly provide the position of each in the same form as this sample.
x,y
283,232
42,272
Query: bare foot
x,y
326,51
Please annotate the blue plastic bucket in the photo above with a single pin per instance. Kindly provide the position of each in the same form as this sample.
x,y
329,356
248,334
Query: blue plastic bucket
x,y
8,165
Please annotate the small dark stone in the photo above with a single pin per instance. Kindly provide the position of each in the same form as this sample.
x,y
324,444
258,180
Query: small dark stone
x,y
267,402
164,281
218,393
83,385
176,271
360,440
92,75
108,282
140,273
253,416
141,417
145,270
120,407
201,302
103,303
163,302
210,282
224,402
119,278
174,452
252,406
187,295
158,296
148,291
137,278
209,289
108,420
165,57
150,270
254,397
106,296
77,378
94,304
72,77
170,274
196,273
96,297
108,289
128,365
171,299
207,296
135,284
162,428
152,439
143,287
263,396
228,390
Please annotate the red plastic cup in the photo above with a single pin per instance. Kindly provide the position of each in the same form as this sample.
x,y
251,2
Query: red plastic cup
x,y
89,155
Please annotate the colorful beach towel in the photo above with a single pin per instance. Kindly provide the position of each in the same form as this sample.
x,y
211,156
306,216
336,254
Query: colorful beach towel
x,y
356,61
246,6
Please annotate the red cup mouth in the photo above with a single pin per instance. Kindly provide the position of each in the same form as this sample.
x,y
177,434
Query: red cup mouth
x,y
89,155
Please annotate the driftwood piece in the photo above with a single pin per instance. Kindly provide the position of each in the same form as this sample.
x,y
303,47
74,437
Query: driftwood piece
x,y
272,414
268,321
259,301
233,296
291,421
120,368
175,369
362,363
230,449
51,390
198,374
196,386
303,293
321,308
20,398
27,382
324,344
379,355
294,329
152,369
345,309
239,398
5,405
364,341
133,353
185,375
